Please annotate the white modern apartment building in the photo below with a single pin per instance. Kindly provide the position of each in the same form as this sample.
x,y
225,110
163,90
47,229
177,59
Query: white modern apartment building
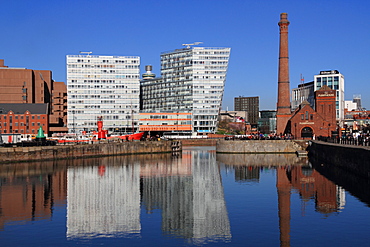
x,y
192,81
334,80
103,86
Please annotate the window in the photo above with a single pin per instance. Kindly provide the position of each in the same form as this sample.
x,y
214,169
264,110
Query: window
x,y
306,115
330,82
324,79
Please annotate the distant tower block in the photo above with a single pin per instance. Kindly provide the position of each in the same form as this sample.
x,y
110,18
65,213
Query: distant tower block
x,y
357,99
283,112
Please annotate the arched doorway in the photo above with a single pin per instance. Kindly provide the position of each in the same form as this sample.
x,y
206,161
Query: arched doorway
x,y
307,132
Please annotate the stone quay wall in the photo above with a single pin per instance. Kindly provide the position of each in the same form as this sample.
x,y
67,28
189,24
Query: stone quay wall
x,y
198,142
258,146
26,154
355,159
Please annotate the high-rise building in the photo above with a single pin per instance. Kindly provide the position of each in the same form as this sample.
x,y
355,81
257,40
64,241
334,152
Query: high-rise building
x,y
334,80
103,86
192,82
303,92
250,105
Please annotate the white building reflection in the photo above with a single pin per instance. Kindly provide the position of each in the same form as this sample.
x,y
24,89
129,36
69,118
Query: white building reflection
x,y
192,201
103,201
211,220
106,200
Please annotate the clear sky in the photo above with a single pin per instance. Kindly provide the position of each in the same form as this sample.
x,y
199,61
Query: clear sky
x,y
323,35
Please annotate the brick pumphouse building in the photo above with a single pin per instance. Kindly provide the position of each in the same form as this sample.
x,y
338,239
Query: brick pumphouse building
x,y
306,122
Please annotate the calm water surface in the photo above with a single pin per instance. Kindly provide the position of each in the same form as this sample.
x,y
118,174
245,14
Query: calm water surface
x,y
197,198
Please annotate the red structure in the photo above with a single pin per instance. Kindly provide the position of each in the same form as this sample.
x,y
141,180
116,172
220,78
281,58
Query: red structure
x,y
306,122
101,133
283,103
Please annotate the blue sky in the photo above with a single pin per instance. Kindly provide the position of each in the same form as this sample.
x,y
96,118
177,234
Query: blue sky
x,y
323,35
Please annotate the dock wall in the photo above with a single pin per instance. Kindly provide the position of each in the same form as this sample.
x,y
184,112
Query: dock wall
x,y
26,154
198,142
257,146
355,159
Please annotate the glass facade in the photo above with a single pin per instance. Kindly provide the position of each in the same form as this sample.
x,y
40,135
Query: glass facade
x,y
106,86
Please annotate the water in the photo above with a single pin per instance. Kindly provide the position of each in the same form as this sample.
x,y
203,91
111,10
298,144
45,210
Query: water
x,y
198,198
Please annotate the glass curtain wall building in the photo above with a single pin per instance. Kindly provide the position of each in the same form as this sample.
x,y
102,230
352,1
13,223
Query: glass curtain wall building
x,y
103,86
192,81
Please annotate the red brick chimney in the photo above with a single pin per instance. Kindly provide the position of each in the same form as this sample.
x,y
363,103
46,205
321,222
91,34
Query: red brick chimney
x,y
2,63
283,103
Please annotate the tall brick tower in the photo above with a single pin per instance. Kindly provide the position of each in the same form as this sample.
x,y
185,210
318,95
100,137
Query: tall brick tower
x,y
283,103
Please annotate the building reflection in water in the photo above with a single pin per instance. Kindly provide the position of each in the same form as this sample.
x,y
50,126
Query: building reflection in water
x,y
104,200
191,197
105,195
29,191
293,174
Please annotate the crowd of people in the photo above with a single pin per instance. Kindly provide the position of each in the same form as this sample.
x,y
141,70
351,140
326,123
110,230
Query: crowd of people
x,y
260,136
358,139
